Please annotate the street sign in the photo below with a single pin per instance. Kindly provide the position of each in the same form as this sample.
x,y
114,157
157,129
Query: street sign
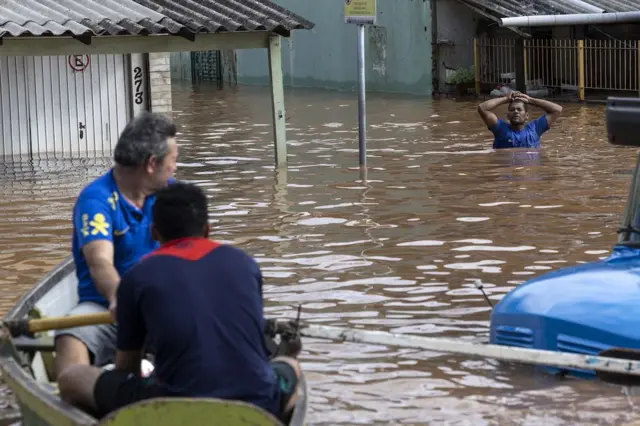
x,y
78,63
361,12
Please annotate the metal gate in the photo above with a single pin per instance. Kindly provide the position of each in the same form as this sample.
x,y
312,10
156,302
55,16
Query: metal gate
x,y
206,66
62,104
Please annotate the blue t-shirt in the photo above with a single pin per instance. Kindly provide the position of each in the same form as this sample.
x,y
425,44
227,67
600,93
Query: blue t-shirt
x,y
101,213
529,137
199,305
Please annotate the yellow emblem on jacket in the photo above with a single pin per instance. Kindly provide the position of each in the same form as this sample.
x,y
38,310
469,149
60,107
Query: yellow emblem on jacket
x,y
99,225
120,233
85,225
113,200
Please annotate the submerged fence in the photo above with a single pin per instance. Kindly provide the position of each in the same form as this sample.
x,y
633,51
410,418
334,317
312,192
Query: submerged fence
x,y
567,66
197,66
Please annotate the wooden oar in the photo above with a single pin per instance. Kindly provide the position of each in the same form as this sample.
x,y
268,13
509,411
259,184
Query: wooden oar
x,y
620,379
504,353
30,326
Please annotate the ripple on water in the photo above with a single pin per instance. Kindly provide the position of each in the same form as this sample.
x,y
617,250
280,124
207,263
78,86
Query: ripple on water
x,y
472,219
421,243
316,221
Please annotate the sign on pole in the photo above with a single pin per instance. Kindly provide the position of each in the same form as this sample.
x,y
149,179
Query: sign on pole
x,y
361,12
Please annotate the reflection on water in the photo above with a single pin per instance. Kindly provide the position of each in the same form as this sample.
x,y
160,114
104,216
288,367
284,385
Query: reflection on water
x,y
402,252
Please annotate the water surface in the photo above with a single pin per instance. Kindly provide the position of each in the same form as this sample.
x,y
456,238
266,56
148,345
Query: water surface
x,y
401,252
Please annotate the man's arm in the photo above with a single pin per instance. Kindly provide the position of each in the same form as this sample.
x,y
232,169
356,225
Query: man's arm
x,y
551,109
485,110
99,257
130,361
94,230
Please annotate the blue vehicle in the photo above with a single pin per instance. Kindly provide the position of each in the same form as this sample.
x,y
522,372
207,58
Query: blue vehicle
x,y
592,307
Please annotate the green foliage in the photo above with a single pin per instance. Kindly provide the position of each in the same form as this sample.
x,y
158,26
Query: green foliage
x,y
462,75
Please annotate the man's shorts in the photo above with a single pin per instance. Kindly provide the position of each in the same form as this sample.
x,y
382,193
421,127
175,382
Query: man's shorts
x,y
99,339
115,388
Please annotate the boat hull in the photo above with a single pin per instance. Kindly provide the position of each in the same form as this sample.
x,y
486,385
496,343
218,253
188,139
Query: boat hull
x,y
29,373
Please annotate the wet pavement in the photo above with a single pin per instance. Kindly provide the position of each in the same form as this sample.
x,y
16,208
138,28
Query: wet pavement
x,y
402,252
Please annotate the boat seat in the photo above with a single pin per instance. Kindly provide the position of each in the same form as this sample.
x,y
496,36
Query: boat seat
x,y
190,412
30,344
51,387
42,344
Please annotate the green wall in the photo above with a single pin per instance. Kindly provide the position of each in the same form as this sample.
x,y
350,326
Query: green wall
x,y
398,49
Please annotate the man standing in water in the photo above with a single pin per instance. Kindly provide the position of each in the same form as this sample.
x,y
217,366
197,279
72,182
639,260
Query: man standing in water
x,y
517,133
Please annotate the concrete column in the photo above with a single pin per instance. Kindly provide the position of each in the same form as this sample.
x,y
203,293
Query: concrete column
x,y
160,83
139,84
277,100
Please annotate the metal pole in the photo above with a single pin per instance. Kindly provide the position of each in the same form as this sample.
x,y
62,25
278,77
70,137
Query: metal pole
x,y
362,116
632,203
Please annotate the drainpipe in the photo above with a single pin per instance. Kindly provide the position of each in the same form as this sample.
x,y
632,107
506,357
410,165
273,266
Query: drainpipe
x,y
571,19
586,6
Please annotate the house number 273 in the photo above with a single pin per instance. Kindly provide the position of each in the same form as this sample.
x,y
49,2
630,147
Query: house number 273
x,y
137,83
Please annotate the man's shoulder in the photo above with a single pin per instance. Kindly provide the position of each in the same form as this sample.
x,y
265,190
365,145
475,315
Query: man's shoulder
x,y
500,126
170,258
99,188
139,268
231,252
144,270
542,119
215,254
202,249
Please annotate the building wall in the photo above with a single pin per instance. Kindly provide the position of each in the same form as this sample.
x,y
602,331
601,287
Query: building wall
x,y
456,26
160,83
398,49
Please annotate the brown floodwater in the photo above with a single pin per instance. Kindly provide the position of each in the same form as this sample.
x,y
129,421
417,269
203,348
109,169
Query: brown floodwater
x,y
401,252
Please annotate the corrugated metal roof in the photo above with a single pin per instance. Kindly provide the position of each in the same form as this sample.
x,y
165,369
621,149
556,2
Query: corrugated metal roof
x,y
509,8
83,18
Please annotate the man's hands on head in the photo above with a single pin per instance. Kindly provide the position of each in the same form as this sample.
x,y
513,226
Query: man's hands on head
x,y
515,95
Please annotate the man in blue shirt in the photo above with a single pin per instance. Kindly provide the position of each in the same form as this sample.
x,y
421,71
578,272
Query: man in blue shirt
x,y
111,231
199,304
517,133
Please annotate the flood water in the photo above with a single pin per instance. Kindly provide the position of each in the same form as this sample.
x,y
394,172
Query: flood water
x,y
440,212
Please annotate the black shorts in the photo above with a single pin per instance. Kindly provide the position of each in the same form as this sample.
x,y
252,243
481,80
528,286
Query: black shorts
x,y
115,388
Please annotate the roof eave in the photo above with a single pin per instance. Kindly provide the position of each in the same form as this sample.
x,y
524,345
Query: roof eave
x,y
495,18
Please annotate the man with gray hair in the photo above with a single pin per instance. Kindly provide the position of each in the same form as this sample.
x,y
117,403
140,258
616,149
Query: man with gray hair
x,y
111,232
